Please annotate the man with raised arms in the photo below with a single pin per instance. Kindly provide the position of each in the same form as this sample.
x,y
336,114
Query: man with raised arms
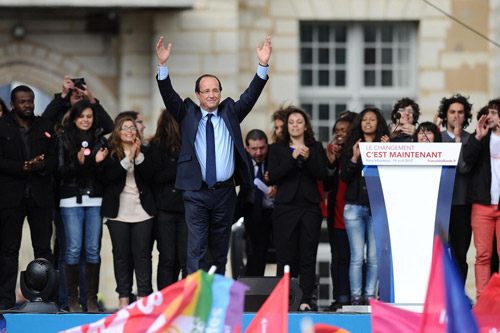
x,y
213,159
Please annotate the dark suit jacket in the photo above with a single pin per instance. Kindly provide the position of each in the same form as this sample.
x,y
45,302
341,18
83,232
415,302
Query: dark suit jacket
x,y
188,115
12,177
285,172
244,200
114,176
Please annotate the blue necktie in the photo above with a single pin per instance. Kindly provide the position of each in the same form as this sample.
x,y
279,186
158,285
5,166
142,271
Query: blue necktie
x,y
211,172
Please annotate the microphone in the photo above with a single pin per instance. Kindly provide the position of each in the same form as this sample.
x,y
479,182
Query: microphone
x,y
398,121
423,132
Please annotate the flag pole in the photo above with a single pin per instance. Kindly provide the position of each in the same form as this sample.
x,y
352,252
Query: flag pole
x,y
286,297
212,270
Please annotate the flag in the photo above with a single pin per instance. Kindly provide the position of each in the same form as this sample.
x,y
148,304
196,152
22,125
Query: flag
x,y
487,308
273,314
446,308
324,328
387,318
187,305
227,305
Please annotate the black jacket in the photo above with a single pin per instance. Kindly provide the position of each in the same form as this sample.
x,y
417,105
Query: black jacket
x,y
350,173
59,106
164,161
114,182
13,178
286,172
75,179
245,201
463,174
477,154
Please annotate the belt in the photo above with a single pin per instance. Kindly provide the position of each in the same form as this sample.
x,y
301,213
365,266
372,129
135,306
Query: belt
x,y
226,183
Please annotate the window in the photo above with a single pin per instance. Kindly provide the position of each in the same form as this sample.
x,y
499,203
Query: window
x,y
354,65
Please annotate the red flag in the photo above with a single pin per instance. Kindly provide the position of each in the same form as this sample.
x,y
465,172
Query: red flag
x,y
434,314
487,308
324,328
387,318
273,314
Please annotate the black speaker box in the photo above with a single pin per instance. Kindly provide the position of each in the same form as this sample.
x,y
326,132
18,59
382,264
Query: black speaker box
x,y
261,288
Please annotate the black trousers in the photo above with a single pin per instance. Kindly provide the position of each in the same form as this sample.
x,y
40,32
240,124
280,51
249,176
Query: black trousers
x,y
209,217
170,231
258,238
11,230
297,232
339,266
460,233
132,238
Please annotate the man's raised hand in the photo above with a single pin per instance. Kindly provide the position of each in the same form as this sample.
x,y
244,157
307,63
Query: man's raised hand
x,y
162,52
263,53
482,127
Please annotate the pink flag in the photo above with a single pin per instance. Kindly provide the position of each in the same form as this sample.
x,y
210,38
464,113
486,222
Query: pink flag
x,y
387,318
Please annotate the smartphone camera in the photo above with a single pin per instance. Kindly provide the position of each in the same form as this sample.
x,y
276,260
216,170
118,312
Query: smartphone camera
x,y
79,82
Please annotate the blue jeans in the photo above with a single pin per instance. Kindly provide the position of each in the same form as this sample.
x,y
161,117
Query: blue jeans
x,y
75,219
359,226
61,262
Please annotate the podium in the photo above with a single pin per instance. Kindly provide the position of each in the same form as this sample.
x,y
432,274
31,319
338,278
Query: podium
x,y
410,186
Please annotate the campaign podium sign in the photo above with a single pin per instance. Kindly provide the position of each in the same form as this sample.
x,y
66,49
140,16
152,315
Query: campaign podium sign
x,y
410,186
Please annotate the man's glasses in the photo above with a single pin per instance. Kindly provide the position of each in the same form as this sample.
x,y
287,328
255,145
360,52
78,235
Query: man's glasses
x,y
207,92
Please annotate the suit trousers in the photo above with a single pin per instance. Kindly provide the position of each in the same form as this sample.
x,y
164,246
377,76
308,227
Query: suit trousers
x,y
132,238
11,230
209,216
297,232
258,238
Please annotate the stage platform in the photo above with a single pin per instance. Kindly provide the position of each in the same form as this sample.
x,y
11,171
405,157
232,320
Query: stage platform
x,y
50,323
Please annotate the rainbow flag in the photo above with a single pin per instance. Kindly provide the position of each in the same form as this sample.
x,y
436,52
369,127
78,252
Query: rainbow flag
x,y
200,303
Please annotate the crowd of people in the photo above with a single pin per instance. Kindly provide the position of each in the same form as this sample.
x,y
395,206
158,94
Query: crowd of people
x,y
78,167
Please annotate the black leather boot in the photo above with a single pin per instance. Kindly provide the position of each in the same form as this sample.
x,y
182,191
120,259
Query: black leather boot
x,y
72,284
92,283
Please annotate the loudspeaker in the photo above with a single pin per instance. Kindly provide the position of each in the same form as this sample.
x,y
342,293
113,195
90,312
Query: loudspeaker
x,y
261,288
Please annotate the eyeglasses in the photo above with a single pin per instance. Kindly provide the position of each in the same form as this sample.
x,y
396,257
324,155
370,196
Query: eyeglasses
x,y
207,92
410,111
125,128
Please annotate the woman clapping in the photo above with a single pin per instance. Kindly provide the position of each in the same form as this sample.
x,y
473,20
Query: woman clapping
x,y
369,126
129,208
81,149
296,163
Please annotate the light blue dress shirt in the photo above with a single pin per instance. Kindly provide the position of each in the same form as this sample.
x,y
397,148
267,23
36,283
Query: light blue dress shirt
x,y
224,145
